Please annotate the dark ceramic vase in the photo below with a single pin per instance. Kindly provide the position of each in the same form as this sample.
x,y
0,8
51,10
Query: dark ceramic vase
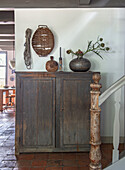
x,y
80,64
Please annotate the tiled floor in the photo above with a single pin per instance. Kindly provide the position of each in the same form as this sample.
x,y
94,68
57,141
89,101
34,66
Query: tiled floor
x,y
43,161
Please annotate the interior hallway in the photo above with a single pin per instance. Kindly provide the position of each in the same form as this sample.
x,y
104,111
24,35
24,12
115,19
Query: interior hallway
x,y
40,161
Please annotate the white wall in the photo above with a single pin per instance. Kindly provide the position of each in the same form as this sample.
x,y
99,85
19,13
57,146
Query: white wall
x,y
10,56
73,28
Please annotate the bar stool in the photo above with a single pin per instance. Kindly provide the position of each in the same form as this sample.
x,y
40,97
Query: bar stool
x,y
10,103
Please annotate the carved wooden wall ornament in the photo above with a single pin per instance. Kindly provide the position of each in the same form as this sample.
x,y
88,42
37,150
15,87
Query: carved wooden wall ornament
x,y
43,41
27,53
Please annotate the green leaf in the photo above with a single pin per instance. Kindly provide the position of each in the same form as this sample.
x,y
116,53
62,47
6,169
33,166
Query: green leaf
x,y
89,43
98,54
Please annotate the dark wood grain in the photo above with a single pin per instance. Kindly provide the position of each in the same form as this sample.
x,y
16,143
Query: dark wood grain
x,y
46,112
29,111
53,111
75,113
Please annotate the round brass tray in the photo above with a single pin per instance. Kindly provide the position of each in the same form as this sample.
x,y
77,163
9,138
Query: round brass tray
x,y
43,41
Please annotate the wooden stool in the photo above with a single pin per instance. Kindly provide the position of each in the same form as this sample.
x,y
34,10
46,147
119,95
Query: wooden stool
x,y
10,103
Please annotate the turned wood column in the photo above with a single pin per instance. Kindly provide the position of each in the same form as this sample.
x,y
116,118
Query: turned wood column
x,y
95,153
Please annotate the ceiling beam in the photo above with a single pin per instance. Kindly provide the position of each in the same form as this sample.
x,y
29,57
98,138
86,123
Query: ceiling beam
x,y
7,37
7,29
60,3
84,2
37,3
6,16
106,3
4,43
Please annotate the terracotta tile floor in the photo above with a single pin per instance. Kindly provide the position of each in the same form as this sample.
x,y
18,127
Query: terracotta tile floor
x,y
40,161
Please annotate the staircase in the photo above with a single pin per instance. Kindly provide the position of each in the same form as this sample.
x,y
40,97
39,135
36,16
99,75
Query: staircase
x,y
119,165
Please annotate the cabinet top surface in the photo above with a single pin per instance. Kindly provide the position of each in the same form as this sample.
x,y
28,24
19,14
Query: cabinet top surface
x,y
56,73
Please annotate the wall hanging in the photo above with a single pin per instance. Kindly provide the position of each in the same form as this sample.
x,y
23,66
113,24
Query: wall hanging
x,y
27,53
43,41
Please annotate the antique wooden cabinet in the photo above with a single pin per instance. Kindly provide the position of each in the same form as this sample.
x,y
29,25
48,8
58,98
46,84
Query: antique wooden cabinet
x,y
52,112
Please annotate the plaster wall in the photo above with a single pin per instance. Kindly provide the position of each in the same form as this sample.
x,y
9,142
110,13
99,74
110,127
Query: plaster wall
x,y
73,28
10,73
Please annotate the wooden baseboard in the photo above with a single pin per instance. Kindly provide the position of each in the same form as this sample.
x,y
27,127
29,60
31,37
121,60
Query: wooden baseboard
x,y
109,139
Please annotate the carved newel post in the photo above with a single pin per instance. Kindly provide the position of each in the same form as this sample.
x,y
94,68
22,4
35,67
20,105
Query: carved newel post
x,y
95,153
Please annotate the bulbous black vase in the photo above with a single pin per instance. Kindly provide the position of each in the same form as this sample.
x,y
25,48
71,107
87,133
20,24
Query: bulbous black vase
x,y
80,64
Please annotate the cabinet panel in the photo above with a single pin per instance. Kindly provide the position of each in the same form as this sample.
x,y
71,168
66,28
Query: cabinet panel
x,y
75,113
29,117
38,122
46,113
52,112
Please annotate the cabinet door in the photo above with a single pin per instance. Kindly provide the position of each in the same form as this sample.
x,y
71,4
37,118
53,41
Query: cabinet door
x,y
74,114
38,109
